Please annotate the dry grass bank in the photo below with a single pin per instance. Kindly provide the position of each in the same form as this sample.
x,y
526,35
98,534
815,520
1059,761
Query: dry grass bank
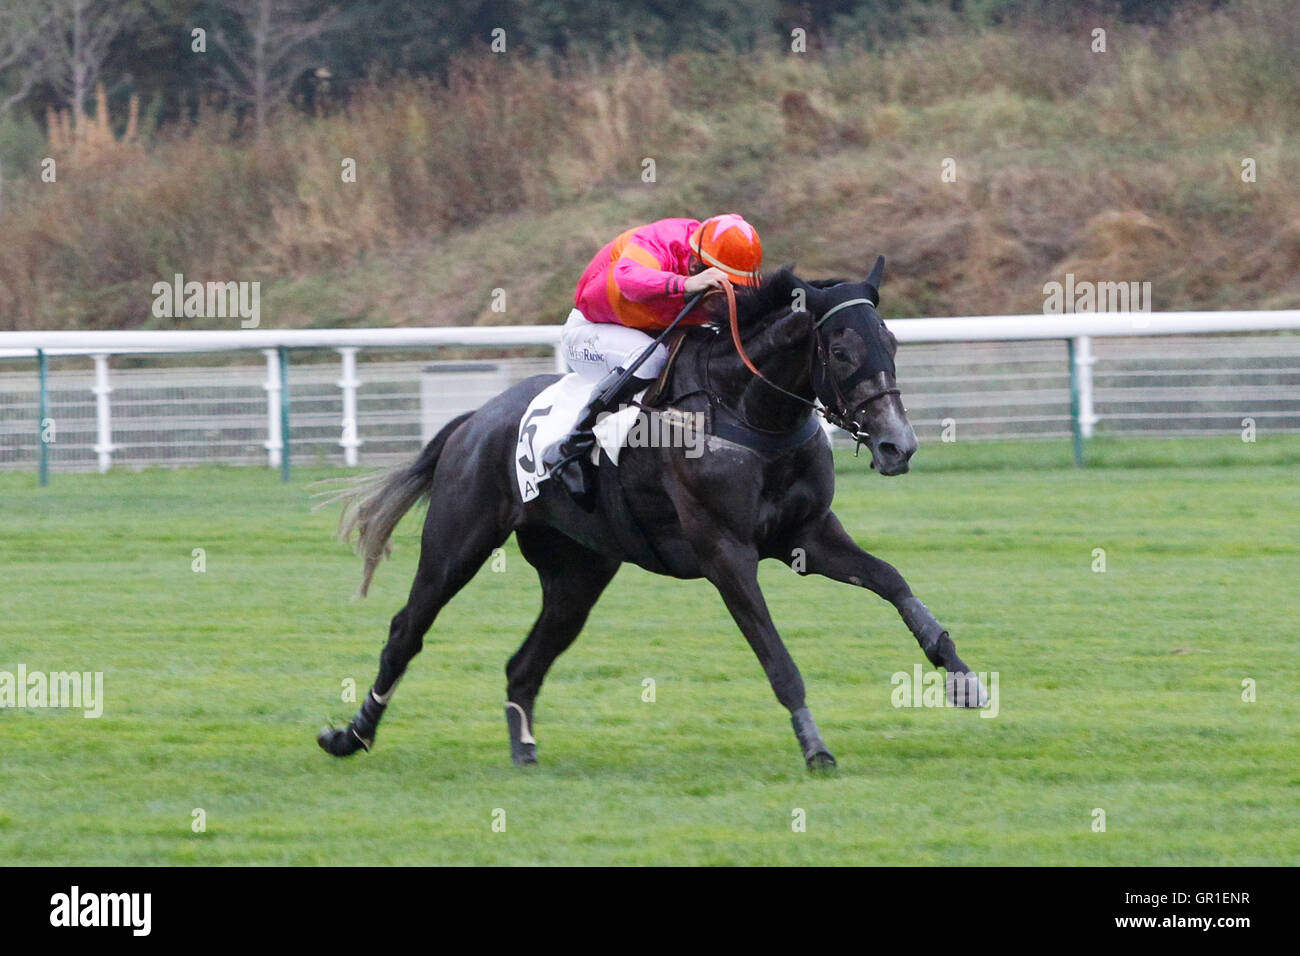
x,y
1119,165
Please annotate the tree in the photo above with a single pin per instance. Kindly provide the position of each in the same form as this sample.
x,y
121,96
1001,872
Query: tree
x,y
22,54
77,45
274,46
22,23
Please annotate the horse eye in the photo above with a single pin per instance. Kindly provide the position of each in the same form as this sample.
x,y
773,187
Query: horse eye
x,y
840,354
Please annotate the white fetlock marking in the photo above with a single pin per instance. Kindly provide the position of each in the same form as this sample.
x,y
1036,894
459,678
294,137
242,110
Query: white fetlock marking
x,y
525,733
381,700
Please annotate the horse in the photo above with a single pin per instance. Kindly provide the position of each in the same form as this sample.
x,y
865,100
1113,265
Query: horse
x,y
761,488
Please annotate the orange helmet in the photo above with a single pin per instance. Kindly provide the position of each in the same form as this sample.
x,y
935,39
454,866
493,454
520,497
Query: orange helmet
x,y
731,244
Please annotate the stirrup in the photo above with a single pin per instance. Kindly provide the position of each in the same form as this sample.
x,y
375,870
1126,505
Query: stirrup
x,y
577,474
566,460
556,458
574,469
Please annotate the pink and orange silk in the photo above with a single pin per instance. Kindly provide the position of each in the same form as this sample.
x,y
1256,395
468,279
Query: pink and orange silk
x,y
637,280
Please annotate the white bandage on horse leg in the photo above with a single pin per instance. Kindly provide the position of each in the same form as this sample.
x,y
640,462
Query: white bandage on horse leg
x,y
383,699
525,732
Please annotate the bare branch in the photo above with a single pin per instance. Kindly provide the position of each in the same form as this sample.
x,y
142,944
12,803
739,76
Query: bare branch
x,y
80,34
261,68
21,29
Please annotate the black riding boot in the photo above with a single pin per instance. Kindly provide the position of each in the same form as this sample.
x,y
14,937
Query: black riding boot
x,y
569,459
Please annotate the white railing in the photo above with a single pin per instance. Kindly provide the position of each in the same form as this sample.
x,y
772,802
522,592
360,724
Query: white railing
x,y
971,328
1076,330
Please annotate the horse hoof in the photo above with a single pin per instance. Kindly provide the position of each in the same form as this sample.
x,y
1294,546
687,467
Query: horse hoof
x,y
338,742
966,690
821,762
524,755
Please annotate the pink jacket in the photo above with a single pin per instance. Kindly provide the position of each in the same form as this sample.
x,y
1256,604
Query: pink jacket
x,y
637,279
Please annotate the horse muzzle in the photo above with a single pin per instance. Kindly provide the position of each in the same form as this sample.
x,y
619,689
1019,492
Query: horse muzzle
x,y
892,450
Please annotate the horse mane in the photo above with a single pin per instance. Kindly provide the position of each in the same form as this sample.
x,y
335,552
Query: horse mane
x,y
758,305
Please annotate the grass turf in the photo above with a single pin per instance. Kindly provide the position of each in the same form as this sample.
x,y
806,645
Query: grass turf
x,y
1119,690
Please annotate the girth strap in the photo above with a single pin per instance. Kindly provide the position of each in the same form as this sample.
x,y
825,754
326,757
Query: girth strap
x,y
726,424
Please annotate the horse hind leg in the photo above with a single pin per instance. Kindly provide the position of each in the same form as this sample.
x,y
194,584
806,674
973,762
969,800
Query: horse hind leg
x,y
573,578
360,732
454,547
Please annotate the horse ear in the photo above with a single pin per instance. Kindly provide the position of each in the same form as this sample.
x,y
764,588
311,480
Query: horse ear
x,y
873,280
806,297
877,272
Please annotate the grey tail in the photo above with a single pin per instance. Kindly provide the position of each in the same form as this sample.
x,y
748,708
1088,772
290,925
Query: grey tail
x,y
374,504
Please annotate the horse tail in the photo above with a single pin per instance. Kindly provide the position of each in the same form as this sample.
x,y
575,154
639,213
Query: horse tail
x,y
374,506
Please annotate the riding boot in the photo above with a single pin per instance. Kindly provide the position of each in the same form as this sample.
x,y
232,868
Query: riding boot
x,y
569,459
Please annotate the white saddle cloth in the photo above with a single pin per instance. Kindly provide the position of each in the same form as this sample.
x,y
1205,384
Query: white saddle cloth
x,y
551,415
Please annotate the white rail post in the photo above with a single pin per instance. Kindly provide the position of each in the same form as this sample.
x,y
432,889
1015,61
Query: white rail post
x,y
1084,359
103,413
274,443
349,441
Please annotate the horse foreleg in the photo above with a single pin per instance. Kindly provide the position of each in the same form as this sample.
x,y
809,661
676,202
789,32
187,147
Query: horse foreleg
x,y
826,549
732,567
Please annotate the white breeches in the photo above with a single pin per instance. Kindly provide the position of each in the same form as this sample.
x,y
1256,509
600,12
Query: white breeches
x,y
594,349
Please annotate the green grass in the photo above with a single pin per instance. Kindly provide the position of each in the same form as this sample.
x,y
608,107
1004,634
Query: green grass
x,y
1119,690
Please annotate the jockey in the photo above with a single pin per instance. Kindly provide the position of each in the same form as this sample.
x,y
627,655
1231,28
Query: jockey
x,y
633,288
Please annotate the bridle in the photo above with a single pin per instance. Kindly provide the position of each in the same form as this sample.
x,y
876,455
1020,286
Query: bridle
x,y
836,411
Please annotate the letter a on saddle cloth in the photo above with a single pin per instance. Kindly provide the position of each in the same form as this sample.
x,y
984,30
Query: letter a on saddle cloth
x,y
552,415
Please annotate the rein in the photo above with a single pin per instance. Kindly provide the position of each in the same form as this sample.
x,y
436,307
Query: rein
x,y
840,415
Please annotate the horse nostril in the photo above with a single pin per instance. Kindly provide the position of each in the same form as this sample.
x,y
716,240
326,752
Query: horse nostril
x,y
889,449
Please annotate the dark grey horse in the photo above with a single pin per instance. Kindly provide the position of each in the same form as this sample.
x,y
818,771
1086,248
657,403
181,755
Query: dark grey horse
x,y
761,488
